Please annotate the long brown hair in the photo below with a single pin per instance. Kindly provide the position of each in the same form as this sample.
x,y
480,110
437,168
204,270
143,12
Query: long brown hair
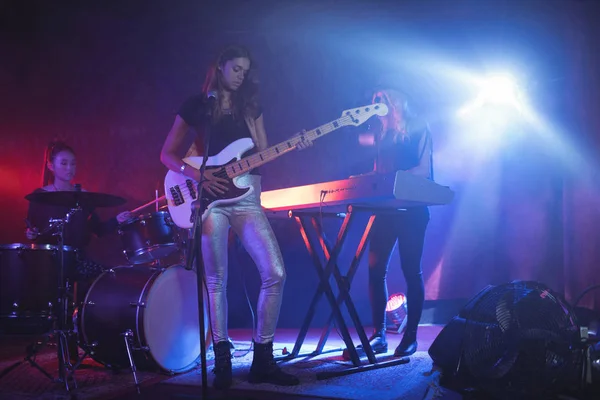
x,y
245,98
53,149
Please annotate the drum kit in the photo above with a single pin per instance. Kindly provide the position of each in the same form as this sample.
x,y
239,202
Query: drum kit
x,y
143,315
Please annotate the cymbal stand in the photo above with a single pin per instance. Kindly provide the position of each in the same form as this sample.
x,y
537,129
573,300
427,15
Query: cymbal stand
x,y
64,364
65,369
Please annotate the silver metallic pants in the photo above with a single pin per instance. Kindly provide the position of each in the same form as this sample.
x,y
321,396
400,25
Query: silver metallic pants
x,y
249,222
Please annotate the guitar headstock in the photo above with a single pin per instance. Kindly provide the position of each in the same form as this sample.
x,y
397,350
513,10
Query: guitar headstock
x,y
358,116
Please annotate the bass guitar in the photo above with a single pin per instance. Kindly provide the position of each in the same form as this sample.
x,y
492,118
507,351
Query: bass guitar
x,y
181,191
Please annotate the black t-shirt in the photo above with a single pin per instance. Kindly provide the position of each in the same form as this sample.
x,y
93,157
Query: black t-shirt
x,y
77,232
224,131
407,151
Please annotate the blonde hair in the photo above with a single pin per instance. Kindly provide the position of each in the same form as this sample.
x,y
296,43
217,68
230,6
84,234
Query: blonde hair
x,y
395,100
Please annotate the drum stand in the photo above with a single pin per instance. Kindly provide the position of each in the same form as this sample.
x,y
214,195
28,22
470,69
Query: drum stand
x,y
128,337
61,334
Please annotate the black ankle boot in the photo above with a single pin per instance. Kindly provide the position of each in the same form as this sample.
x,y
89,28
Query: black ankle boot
x,y
222,368
265,370
408,344
377,341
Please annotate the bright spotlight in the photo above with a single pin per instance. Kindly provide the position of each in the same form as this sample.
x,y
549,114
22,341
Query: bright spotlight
x,y
500,89
496,90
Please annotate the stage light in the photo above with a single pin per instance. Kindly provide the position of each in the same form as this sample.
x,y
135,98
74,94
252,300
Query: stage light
x,y
497,90
395,311
500,89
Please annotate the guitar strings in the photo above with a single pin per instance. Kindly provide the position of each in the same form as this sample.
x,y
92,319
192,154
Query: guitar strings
x,y
273,150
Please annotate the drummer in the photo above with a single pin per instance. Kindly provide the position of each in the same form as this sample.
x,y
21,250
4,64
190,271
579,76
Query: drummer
x,y
59,171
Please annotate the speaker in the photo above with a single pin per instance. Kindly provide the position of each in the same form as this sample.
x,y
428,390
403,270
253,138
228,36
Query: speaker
x,y
518,340
445,351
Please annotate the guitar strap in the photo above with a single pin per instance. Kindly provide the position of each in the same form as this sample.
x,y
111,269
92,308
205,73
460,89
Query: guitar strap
x,y
251,123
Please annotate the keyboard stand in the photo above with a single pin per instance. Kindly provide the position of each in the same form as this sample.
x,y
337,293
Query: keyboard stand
x,y
343,282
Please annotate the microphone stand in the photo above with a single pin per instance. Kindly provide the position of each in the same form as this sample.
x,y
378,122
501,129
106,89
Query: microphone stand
x,y
195,252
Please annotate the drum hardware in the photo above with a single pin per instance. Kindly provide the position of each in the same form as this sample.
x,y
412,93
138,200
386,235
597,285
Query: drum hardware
x,y
88,350
60,333
128,336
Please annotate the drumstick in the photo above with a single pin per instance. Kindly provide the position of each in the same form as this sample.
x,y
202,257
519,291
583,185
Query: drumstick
x,y
147,204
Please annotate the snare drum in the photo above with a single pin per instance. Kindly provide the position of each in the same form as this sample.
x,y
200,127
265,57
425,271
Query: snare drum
x,y
159,306
29,278
148,237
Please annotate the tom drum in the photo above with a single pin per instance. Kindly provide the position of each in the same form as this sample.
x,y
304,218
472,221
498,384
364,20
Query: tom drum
x,y
148,237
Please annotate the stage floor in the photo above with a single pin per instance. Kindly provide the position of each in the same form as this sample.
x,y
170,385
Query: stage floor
x,y
414,379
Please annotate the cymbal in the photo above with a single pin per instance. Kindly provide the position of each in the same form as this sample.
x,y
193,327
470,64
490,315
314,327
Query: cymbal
x,y
71,199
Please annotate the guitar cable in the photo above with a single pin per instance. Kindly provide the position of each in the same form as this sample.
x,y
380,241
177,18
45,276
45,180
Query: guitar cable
x,y
243,279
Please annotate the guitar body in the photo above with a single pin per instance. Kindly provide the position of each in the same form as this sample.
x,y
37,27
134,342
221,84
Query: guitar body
x,y
181,191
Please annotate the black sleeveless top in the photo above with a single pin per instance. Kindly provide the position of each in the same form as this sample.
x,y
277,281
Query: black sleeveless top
x,y
224,132
408,150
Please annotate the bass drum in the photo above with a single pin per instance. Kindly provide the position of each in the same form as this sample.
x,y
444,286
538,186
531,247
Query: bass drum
x,y
158,306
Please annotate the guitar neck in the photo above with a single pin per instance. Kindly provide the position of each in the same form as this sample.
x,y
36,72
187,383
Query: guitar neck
x,y
256,160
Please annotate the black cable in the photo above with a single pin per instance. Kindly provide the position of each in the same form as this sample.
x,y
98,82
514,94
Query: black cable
x,y
243,278
586,291
253,315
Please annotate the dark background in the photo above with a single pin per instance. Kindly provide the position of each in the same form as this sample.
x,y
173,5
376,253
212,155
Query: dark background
x,y
108,78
